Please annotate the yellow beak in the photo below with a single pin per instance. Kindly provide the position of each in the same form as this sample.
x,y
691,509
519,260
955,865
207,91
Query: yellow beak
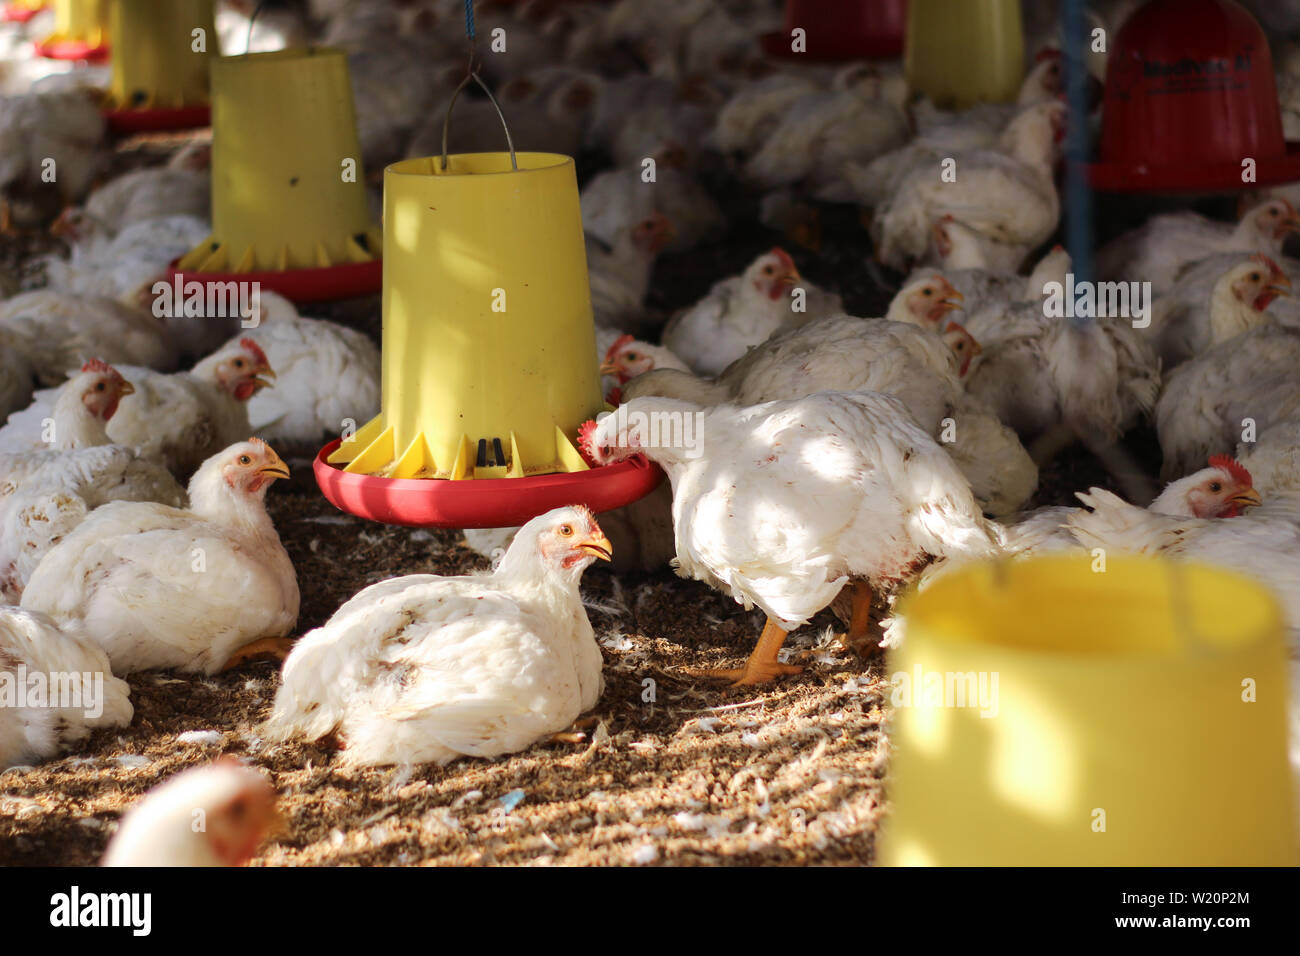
x,y
598,545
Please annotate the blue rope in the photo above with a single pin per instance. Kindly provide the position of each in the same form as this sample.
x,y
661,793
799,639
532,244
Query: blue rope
x,y
469,18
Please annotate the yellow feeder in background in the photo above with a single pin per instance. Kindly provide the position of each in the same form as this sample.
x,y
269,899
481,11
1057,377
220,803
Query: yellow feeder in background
x,y
1132,717
80,31
288,188
963,52
489,352
155,63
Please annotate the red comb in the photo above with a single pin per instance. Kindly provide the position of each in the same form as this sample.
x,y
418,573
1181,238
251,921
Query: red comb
x,y
783,256
255,350
585,448
619,343
97,365
1239,472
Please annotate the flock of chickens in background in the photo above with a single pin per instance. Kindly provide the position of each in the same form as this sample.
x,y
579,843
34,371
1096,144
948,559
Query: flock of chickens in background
x,y
841,458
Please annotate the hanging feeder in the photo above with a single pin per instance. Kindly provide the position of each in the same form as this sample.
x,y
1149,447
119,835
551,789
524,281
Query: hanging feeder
x,y
1190,97
839,30
1046,714
489,352
20,11
160,79
288,189
963,52
80,31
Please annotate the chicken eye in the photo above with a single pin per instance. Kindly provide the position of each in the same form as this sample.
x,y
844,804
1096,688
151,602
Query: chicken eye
x,y
631,356
100,386
245,460
1215,486
927,292
566,530
238,809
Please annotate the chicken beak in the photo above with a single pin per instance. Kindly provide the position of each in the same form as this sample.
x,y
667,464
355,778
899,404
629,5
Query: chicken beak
x,y
126,389
597,544
1247,498
1280,286
275,466
260,382
1290,224
608,368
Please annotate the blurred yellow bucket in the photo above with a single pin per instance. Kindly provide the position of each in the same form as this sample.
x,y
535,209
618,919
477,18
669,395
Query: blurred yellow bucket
x,y
155,60
288,187
963,52
1047,714
487,322
80,21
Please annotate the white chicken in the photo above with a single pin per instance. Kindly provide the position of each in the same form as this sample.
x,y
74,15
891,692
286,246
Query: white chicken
x,y
422,668
1191,318
40,508
178,420
51,146
1157,251
17,376
787,502
861,117
1237,388
194,589
617,198
620,274
180,188
73,416
60,331
1006,195
744,311
234,804
1222,490
125,265
325,374
1274,459
75,691
749,116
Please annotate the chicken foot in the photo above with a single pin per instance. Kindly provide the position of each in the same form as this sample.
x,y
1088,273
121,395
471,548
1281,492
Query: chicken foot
x,y
266,648
858,637
762,666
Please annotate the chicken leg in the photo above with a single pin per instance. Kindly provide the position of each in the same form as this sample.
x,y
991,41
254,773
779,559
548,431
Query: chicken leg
x,y
266,648
859,618
762,665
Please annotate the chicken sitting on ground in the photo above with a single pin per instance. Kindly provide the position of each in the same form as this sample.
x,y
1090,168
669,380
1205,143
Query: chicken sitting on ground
x,y
41,727
178,420
1223,490
60,130
620,276
195,590
745,311
836,487
1007,196
59,331
238,812
422,668
325,373
73,416
1157,251
1188,321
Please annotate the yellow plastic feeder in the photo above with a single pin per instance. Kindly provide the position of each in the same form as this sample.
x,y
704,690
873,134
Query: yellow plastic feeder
x,y
489,352
80,31
1045,714
288,188
160,66
963,52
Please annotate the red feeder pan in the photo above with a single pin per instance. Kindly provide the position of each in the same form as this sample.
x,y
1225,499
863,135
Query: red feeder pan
x,y
13,13
840,30
1190,95
345,281
126,122
73,50
481,502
